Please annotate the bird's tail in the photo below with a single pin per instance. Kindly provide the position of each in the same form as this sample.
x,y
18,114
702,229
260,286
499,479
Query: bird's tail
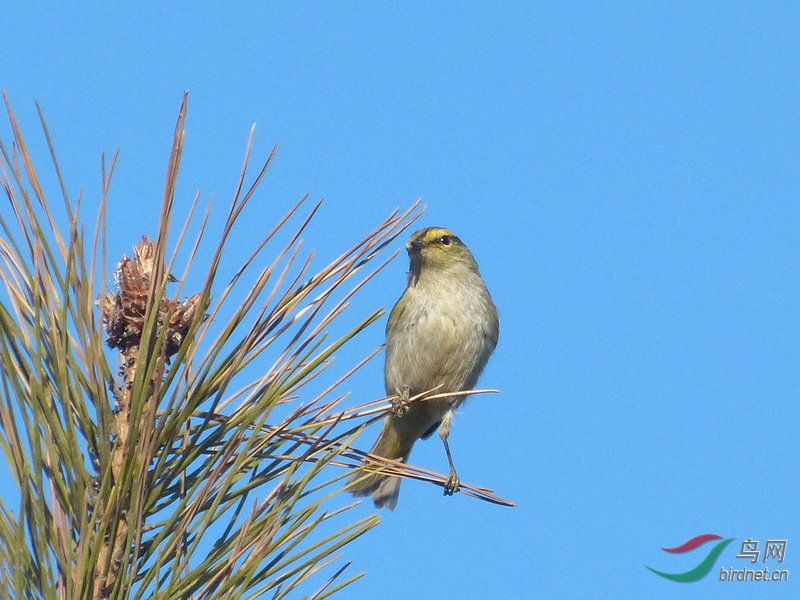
x,y
385,489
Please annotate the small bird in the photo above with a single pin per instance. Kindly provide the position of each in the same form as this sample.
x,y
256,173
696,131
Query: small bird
x,y
440,335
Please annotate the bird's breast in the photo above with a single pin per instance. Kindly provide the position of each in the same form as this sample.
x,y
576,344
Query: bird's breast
x,y
443,338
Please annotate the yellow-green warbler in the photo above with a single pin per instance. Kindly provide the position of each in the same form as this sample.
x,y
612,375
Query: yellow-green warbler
x,y
440,335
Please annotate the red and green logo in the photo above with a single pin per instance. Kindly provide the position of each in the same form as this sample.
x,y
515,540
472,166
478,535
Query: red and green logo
x,y
705,566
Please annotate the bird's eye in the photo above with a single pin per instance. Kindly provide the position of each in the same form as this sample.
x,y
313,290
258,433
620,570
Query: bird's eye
x,y
446,239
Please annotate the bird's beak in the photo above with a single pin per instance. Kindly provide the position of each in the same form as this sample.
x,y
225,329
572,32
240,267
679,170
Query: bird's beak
x,y
414,247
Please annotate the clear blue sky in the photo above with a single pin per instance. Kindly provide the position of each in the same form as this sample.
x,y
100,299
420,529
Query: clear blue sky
x,y
627,175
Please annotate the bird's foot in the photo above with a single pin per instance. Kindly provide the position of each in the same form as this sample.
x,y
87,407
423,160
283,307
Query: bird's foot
x,y
452,484
400,403
399,406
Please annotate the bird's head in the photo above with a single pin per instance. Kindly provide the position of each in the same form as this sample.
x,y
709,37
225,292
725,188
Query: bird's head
x,y
437,249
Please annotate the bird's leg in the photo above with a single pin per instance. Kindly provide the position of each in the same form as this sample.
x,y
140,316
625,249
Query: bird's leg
x,y
453,482
400,402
